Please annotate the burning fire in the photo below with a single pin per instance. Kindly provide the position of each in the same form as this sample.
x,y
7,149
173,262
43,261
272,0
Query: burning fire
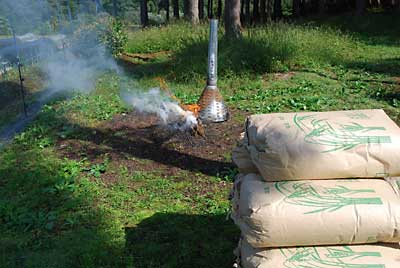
x,y
191,109
194,108
172,113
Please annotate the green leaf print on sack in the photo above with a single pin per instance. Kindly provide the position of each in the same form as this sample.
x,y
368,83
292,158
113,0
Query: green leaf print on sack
x,y
313,257
336,135
323,198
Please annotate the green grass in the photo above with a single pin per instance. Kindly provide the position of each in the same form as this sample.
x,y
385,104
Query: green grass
x,y
11,104
337,67
59,211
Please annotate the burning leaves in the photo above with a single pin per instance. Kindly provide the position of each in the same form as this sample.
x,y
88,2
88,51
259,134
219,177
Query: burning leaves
x,y
170,112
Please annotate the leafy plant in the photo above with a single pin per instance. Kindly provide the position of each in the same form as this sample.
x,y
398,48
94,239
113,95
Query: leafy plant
x,y
114,37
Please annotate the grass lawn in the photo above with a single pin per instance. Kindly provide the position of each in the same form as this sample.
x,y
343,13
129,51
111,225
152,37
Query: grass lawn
x,y
10,92
87,184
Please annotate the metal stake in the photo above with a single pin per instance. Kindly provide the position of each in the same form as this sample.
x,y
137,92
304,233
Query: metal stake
x,y
21,79
21,83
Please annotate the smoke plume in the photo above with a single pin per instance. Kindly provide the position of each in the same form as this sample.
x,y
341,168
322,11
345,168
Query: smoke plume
x,y
155,101
72,55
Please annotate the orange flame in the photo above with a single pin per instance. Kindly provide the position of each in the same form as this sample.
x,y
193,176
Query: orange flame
x,y
194,108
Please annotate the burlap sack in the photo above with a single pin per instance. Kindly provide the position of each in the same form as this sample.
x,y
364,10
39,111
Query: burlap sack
x,y
344,144
316,212
366,256
242,158
395,183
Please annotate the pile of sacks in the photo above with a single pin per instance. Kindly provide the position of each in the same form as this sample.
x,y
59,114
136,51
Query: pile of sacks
x,y
318,190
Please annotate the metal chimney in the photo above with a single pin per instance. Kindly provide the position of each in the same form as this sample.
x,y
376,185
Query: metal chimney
x,y
212,106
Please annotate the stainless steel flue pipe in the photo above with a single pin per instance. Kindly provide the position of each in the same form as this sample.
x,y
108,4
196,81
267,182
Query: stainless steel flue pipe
x,y
212,106
213,54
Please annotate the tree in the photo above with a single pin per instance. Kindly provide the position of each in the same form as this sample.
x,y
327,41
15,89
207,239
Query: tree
x,y
256,11
321,6
233,27
175,5
144,17
186,9
115,12
219,9
263,11
360,7
210,11
193,11
242,18
296,8
247,11
167,10
201,9
269,10
277,9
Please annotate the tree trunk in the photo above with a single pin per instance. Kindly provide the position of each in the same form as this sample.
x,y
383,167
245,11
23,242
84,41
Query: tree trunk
x,y
201,9
186,9
247,11
167,9
360,7
296,8
210,11
321,7
115,13
175,4
233,27
263,13
193,11
269,10
374,3
144,17
219,9
242,17
256,11
277,9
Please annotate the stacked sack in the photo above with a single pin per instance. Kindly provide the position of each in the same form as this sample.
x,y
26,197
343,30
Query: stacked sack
x,y
297,201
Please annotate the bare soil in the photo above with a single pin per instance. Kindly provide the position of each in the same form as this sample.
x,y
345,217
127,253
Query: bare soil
x,y
140,143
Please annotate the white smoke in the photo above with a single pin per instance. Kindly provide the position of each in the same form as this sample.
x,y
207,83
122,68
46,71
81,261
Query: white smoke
x,y
72,56
67,72
156,102
79,58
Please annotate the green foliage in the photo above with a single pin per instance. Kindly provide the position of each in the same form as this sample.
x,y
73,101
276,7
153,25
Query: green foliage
x,y
102,29
114,37
4,27
172,37
97,107
263,49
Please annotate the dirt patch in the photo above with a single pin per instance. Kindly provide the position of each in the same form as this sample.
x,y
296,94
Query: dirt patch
x,y
145,56
284,76
140,143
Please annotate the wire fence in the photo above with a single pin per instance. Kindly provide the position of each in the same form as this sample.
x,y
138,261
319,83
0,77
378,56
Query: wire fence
x,y
15,57
25,54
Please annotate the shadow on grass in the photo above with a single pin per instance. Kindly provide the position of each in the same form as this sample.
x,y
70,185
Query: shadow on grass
x,y
10,91
185,241
247,55
372,28
11,104
47,218
389,67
